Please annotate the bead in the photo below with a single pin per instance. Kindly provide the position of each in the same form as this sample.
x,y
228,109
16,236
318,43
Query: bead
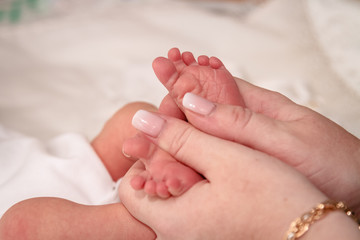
x,y
290,236
306,217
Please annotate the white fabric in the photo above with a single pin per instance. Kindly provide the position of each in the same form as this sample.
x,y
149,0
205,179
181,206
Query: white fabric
x,y
335,24
64,167
73,67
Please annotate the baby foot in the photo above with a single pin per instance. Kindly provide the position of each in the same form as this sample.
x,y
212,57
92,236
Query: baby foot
x,y
207,77
164,176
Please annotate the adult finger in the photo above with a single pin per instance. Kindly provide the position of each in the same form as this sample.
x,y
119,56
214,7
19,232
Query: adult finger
x,y
267,102
181,140
238,124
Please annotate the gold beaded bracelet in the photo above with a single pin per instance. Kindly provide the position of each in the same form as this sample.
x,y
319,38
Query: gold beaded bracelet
x,y
301,225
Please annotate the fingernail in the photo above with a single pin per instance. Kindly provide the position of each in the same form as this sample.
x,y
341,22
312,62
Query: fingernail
x,y
125,154
198,104
148,123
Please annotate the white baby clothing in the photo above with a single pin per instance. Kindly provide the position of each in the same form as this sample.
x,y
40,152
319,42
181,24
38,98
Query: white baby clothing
x,y
65,167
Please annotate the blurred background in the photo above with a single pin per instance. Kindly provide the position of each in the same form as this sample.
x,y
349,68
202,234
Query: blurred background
x,y
68,65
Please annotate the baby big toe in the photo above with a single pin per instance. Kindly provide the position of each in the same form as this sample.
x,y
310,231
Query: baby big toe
x,y
162,190
137,182
175,187
164,69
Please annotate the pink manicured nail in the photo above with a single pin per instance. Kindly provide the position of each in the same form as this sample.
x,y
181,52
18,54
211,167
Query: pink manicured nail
x,y
198,104
148,123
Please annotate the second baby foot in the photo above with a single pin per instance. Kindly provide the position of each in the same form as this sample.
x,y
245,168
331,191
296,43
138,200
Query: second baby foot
x,y
163,176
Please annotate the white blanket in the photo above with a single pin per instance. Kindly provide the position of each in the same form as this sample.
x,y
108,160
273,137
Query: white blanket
x,y
64,167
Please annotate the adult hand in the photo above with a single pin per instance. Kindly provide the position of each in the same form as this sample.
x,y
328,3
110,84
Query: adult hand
x,y
321,150
246,194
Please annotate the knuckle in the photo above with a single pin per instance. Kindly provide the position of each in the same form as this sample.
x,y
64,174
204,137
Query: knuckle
x,y
179,142
240,117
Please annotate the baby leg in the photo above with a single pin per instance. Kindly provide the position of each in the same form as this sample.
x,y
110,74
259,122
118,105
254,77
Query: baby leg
x,y
108,144
54,218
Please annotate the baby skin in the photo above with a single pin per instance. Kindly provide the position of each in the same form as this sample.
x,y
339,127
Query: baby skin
x,y
179,73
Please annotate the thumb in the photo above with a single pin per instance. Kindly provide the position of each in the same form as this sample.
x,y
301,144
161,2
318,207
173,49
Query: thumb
x,y
235,123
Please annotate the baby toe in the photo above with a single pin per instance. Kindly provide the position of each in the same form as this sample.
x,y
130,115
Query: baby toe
x,y
174,54
188,58
150,187
215,63
162,190
203,60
